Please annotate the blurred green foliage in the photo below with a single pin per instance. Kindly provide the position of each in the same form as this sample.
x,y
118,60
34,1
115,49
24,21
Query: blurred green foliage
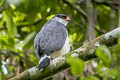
x,y
106,67
77,65
104,54
20,20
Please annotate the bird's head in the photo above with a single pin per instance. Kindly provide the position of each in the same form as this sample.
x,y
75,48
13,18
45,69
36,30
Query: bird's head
x,y
62,18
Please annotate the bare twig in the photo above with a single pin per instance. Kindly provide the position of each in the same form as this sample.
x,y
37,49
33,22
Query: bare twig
x,y
24,25
6,52
99,31
4,5
2,28
81,11
111,4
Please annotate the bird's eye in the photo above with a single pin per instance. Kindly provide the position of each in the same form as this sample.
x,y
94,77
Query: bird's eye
x,y
63,17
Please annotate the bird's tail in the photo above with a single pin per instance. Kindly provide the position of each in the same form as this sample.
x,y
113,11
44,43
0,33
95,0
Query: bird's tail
x,y
44,62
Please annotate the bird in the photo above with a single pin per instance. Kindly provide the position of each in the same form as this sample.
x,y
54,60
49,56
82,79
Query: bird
x,y
52,40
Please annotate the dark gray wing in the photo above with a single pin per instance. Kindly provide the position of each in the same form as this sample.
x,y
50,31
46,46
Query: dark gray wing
x,y
51,38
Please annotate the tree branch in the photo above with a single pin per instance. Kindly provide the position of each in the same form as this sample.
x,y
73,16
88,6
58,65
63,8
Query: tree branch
x,y
76,8
34,23
8,53
4,5
111,4
85,52
24,25
5,52
3,28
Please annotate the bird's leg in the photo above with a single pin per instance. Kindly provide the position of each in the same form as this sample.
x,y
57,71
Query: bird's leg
x,y
51,58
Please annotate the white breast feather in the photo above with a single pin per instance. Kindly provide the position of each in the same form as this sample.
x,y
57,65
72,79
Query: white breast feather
x,y
64,50
66,47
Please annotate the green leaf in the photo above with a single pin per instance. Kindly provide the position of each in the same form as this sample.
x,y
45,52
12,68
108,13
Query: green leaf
x,y
116,54
104,54
73,1
29,38
119,39
89,78
33,59
77,65
116,49
8,17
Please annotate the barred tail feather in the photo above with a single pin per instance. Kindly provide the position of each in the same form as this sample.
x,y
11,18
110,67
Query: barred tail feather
x,y
44,62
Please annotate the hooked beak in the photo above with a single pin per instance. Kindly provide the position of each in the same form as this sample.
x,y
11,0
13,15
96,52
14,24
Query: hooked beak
x,y
67,18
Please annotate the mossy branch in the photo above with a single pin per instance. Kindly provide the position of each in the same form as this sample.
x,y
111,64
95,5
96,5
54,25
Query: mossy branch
x,y
85,52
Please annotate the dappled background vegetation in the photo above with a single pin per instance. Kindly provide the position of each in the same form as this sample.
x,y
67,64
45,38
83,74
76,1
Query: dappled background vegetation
x,y
20,20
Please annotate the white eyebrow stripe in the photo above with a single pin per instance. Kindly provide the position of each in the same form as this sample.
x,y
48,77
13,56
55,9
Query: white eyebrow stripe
x,y
60,20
